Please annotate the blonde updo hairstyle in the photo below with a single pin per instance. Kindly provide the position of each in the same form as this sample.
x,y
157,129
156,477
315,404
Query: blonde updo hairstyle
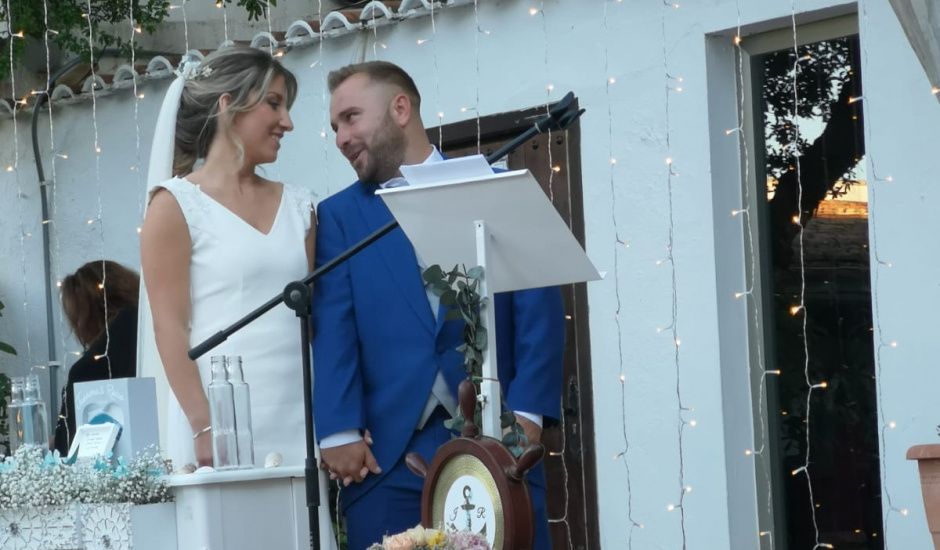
x,y
245,74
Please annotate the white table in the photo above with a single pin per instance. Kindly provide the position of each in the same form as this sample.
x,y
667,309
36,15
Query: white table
x,y
242,509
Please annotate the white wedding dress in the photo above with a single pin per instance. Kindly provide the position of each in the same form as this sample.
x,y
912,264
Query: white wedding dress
x,y
235,268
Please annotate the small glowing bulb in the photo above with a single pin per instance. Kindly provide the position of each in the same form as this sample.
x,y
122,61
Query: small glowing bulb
x,y
889,179
855,99
556,168
668,160
679,89
611,80
9,168
58,284
422,41
613,160
730,131
98,149
463,109
533,11
822,385
688,488
737,40
623,378
218,3
904,511
18,34
737,295
748,452
670,507
140,95
893,344
892,424
440,114
138,230
763,534
62,156
795,309
550,87
773,371
935,90
138,29
678,342
693,423
322,134
795,219
98,357
279,53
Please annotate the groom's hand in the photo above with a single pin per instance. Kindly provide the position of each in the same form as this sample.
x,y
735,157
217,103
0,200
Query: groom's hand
x,y
350,462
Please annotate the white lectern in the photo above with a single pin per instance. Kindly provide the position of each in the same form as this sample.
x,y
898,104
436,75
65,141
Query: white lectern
x,y
502,222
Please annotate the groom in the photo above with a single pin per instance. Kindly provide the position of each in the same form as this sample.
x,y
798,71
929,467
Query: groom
x,y
385,358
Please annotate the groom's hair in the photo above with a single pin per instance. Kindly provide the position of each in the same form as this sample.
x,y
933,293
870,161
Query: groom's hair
x,y
378,71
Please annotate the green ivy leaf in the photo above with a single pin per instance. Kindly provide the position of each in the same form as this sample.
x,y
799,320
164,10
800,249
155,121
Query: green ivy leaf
x,y
7,348
433,275
475,273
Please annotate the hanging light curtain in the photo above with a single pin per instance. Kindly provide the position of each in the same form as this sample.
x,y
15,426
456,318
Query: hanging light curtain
x,y
920,20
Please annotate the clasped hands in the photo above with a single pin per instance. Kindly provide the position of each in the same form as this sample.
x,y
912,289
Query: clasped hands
x,y
354,461
350,462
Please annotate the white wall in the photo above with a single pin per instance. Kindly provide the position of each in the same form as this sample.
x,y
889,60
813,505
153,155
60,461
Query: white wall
x,y
567,47
902,120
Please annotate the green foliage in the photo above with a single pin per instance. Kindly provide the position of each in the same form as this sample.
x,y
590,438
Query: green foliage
x,y
458,290
70,26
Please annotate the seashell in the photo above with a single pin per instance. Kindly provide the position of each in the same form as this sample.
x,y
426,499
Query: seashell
x,y
273,460
187,469
204,469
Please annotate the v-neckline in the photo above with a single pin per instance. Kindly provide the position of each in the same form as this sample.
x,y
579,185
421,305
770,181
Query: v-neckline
x,y
277,213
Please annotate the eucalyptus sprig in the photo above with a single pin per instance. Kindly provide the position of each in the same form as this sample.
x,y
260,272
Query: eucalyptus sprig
x,y
458,290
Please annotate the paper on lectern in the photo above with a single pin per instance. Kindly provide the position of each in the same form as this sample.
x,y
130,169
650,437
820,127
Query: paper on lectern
x,y
460,168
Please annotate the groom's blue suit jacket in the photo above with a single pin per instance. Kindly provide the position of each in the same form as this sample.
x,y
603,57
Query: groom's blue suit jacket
x,y
377,346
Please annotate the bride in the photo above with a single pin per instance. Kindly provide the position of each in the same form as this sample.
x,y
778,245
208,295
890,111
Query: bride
x,y
219,240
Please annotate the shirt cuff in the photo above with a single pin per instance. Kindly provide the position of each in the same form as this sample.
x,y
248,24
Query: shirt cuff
x,y
344,437
537,418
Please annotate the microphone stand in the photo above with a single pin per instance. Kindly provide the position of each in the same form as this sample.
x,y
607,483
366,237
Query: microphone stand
x,y
296,295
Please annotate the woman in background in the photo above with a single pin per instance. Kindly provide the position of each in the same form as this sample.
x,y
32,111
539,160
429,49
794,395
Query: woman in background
x,y
99,301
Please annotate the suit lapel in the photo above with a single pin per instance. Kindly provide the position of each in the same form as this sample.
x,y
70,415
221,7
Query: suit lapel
x,y
398,256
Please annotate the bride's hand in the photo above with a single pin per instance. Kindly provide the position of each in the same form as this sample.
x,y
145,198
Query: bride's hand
x,y
203,449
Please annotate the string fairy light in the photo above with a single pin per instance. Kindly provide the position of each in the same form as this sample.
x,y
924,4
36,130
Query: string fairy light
x,y
23,234
880,340
624,454
670,258
811,386
100,216
137,97
324,100
437,80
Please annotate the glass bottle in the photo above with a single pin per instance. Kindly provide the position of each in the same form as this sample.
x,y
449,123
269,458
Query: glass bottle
x,y
222,417
246,450
15,412
35,428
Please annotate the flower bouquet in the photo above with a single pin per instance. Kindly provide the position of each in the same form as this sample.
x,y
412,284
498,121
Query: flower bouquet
x,y
419,538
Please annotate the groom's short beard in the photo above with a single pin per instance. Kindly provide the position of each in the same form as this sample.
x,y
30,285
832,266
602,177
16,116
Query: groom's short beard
x,y
386,153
